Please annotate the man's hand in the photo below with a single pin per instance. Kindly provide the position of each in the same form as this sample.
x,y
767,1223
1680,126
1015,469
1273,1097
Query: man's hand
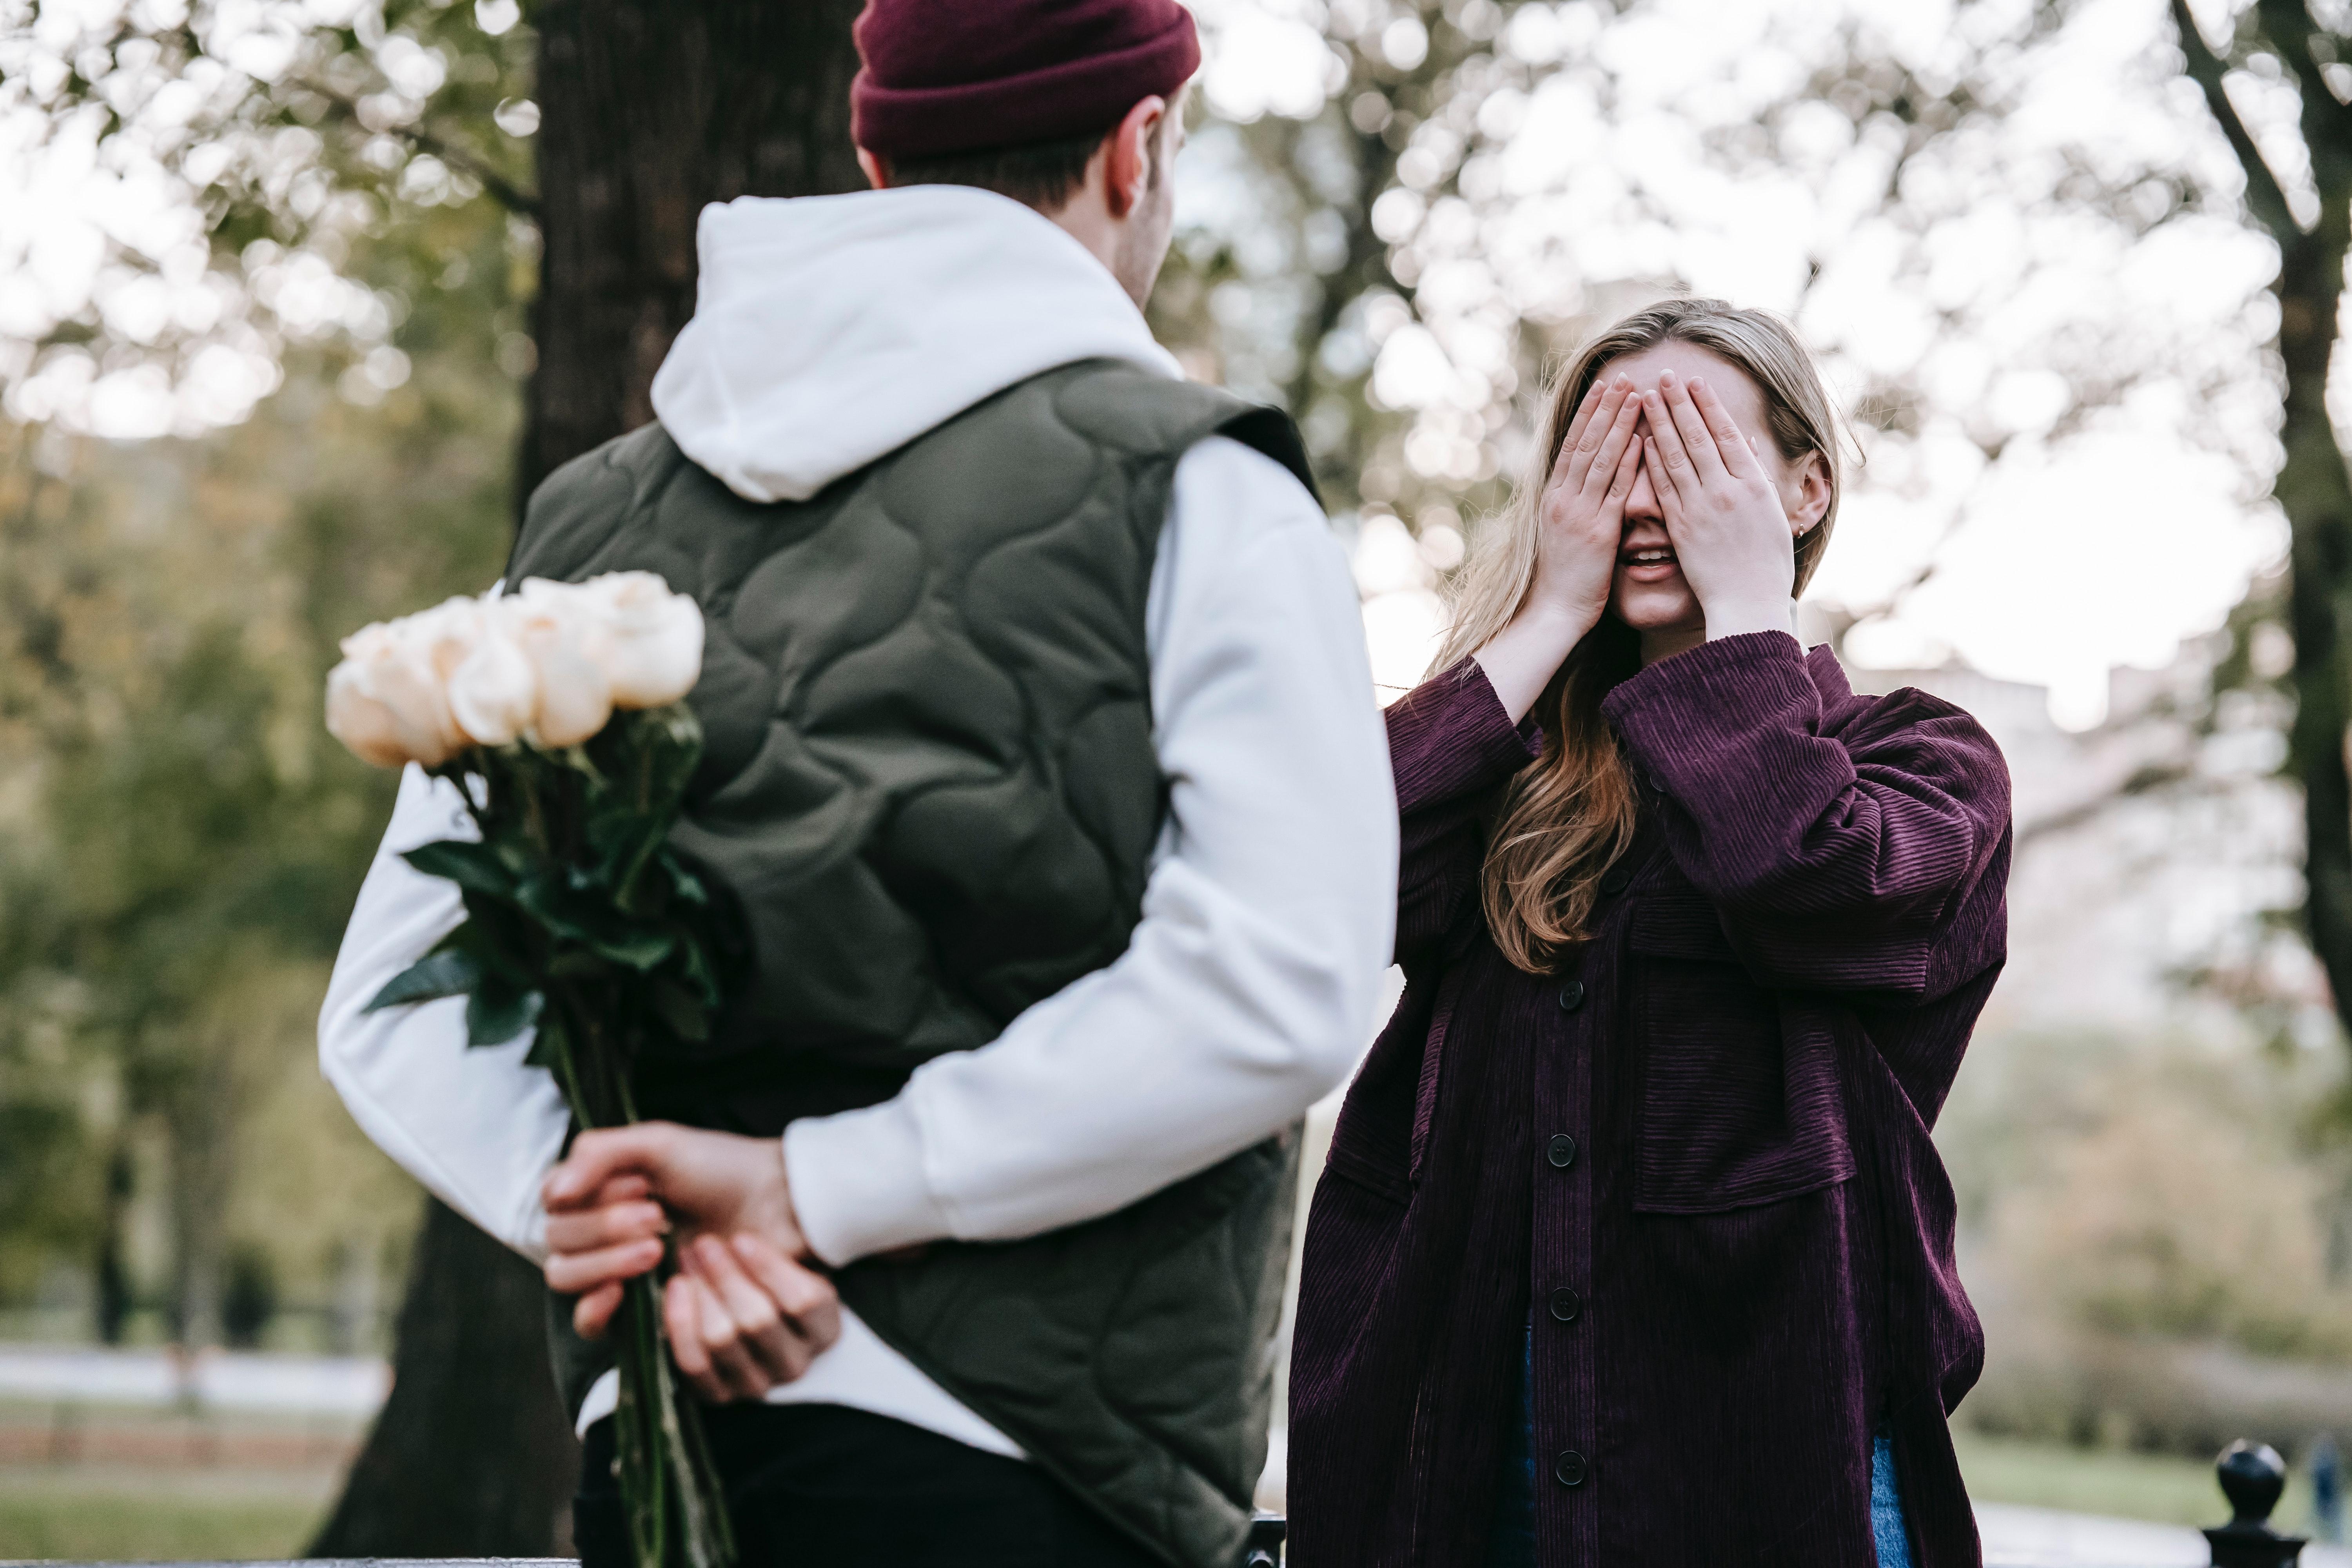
x,y
743,1313
743,1317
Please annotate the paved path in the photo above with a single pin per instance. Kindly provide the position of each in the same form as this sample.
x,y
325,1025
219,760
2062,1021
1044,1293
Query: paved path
x,y
222,1379
2043,1538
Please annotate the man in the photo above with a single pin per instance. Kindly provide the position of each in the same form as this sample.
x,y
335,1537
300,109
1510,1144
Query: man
x,y
1043,764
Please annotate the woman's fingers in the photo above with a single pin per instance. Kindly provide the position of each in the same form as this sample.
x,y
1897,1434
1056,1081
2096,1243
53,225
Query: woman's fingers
x,y
1584,412
1577,454
1668,460
1621,489
608,1225
593,1314
1730,441
1614,443
1697,439
577,1273
806,1297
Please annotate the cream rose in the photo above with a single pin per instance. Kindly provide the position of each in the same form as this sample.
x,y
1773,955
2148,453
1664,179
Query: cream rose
x,y
494,693
646,639
388,699
552,629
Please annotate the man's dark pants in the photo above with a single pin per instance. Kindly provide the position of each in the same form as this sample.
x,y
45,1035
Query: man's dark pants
x,y
824,1484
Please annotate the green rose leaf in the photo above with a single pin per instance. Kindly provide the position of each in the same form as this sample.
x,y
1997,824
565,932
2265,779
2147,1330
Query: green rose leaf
x,y
496,1013
476,868
437,975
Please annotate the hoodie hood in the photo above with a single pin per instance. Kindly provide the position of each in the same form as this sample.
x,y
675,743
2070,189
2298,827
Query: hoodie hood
x,y
828,331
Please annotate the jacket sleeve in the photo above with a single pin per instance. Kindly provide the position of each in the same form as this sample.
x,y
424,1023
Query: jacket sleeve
x,y
479,1127
1246,991
1846,845
1452,746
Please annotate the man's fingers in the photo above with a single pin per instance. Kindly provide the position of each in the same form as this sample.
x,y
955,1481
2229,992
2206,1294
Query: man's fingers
x,y
1731,442
593,1314
759,1320
607,1224
1697,439
806,1297
575,1273
732,1360
602,1155
682,1317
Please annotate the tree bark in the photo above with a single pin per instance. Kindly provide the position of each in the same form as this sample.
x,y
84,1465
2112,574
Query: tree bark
x,y
2314,487
649,111
472,1456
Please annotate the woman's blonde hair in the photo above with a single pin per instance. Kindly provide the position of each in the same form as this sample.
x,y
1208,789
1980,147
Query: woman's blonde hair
x,y
1564,821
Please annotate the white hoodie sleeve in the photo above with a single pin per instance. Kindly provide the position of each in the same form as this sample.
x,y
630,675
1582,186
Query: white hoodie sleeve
x,y
1245,996
1247,991
477,1126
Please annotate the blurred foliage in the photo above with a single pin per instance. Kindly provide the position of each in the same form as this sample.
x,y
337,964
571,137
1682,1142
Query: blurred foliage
x,y
2146,1225
181,840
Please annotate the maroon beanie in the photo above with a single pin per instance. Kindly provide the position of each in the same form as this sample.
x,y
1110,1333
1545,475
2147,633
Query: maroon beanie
x,y
962,76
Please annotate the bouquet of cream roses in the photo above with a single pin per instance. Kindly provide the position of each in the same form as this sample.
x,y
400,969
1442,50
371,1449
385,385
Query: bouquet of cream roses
x,y
555,710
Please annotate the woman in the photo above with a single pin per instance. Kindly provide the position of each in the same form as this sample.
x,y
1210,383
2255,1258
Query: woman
x,y
1632,1248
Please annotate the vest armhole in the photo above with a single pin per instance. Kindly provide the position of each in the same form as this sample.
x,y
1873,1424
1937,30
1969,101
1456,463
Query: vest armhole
x,y
1274,434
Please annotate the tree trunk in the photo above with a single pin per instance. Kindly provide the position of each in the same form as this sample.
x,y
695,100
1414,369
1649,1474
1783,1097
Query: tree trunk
x,y
648,112
2313,491
472,1456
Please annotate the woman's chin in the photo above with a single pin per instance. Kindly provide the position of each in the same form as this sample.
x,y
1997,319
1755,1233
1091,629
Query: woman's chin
x,y
1657,607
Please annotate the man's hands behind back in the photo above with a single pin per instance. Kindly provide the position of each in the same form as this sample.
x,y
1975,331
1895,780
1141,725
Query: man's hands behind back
x,y
744,1312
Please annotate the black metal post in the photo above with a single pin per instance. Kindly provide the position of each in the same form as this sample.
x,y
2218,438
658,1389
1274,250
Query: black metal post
x,y
2253,1477
1264,1547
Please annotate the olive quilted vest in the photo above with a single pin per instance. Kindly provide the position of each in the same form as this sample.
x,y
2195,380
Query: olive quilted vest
x,y
929,780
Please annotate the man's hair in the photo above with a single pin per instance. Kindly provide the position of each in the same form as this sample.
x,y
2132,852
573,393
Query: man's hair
x,y
1040,174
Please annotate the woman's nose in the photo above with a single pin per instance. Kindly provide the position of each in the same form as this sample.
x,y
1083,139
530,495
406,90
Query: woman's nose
x,y
1642,503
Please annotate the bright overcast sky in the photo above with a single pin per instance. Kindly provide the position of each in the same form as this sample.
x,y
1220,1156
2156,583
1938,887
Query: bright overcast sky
x,y
2067,558
2072,555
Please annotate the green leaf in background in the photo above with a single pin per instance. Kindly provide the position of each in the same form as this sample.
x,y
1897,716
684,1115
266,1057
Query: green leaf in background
x,y
477,867
496,1012
438,975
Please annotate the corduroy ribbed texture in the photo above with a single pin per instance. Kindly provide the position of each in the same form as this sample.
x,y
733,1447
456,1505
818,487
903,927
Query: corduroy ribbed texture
x,y
1752,1226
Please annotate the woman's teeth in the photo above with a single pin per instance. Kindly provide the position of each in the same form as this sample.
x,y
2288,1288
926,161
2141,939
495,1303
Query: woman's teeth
x,y
1648,557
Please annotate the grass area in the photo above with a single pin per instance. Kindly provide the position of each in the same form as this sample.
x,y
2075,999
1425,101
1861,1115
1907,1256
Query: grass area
x,y
136,1515
2157,1487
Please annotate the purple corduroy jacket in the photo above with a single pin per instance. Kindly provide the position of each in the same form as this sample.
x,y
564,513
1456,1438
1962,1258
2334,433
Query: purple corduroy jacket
x,y
1696,1157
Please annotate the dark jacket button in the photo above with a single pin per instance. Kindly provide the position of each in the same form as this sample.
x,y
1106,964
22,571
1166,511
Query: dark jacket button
x,y
1566,1304
1571,996
1616,880
1562,1151
1568,1470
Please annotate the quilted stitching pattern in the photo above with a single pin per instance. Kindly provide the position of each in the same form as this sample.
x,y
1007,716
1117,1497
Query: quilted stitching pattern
x,y
929,780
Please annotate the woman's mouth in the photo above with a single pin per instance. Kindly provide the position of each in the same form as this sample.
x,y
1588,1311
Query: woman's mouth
x,y
1651,564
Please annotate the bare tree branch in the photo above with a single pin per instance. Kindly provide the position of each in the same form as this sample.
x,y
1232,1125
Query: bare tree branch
x,y
507,195
2265,195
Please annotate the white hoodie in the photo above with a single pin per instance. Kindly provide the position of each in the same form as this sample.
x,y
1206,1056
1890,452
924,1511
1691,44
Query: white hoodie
x,y
828,331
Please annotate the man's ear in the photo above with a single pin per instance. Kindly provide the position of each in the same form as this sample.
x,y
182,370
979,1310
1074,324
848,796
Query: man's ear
x,y
878,173
1132,146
